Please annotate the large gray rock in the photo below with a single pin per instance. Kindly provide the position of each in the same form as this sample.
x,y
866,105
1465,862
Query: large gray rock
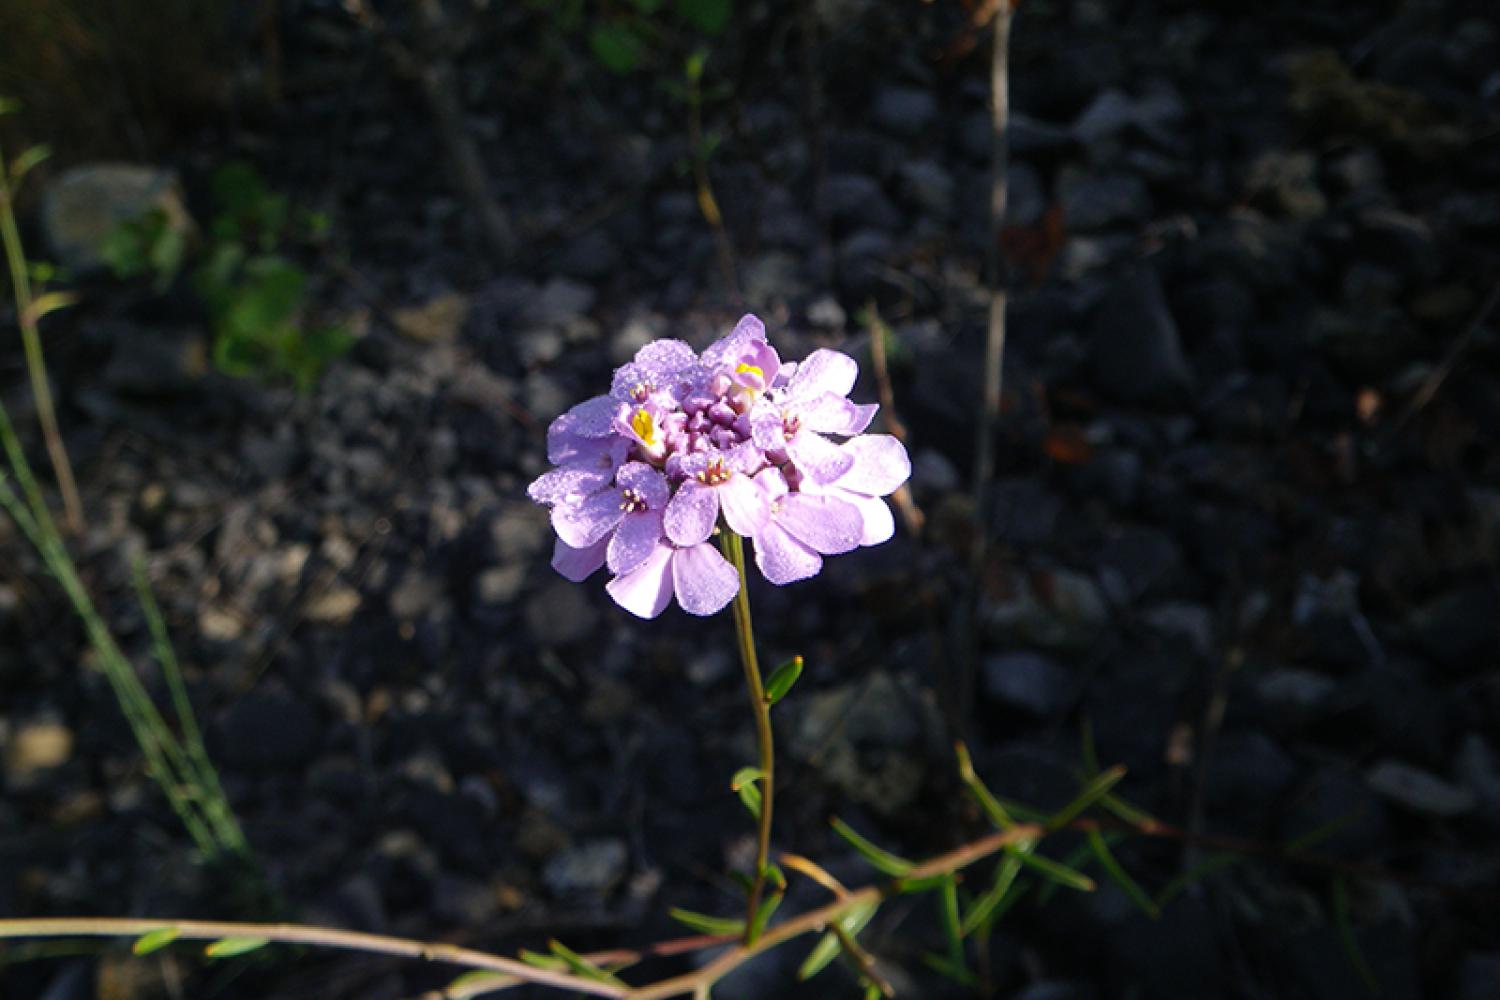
x,y
83,206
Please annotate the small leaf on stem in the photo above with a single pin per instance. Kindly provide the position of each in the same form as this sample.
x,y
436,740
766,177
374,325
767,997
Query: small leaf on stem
x,y
827,948
705,924
232,946
883,860
763,915
155,940
782,680
1056,871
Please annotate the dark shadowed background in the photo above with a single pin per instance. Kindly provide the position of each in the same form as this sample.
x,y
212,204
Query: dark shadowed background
x,y
1244,524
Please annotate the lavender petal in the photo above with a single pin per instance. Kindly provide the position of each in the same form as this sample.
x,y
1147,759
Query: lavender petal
x,y
691,513
577,564
569,483
817,457
823,523
827,413
650,484
592,418
782,559
768,427
646,590
823,371
634,540
880,465
878,525
744,504
581,523
704,580
773,482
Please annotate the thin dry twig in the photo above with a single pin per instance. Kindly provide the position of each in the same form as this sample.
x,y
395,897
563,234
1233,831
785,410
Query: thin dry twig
x,y
694,983
863,959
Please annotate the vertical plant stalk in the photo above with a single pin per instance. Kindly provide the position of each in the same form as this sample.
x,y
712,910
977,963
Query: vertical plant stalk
x,y
967,641
734,550
200,804
36,363
994,346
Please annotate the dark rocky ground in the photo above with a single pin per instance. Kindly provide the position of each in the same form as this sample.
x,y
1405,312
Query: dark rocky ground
x,y
1227,536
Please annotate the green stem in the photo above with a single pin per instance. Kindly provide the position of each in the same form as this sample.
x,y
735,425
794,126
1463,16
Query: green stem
x,y
36,365
734,550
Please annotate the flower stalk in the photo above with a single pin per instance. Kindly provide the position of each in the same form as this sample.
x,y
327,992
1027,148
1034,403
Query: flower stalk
x,y
734,550
31,341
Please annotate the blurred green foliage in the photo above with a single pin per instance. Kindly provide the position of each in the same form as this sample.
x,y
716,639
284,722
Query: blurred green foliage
x,y
254,294
628,35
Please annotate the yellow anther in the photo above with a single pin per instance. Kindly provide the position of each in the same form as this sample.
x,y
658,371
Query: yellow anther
x,y
750,370
644,426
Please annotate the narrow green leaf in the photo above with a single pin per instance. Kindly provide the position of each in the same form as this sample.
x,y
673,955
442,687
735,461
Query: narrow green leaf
x,y
1056,872
872,991
775,876
705,924
232,946
537,960
1092,792
155,940
987,801
23,164
750,797
883,860
912,886
1076,858
782,680
948,901
581,966
988,904
827,948
1116,871
763,915
745,776
481,977
1349,940
825,951
49,302
1134,815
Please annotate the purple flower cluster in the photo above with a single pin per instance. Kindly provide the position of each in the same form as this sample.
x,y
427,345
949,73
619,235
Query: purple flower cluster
x,y
775,449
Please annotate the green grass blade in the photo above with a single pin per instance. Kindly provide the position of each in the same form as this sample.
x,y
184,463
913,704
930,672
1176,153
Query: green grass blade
x,y
1092,792
827,948
989,904
705,924
883,860
1056,872
1121,878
